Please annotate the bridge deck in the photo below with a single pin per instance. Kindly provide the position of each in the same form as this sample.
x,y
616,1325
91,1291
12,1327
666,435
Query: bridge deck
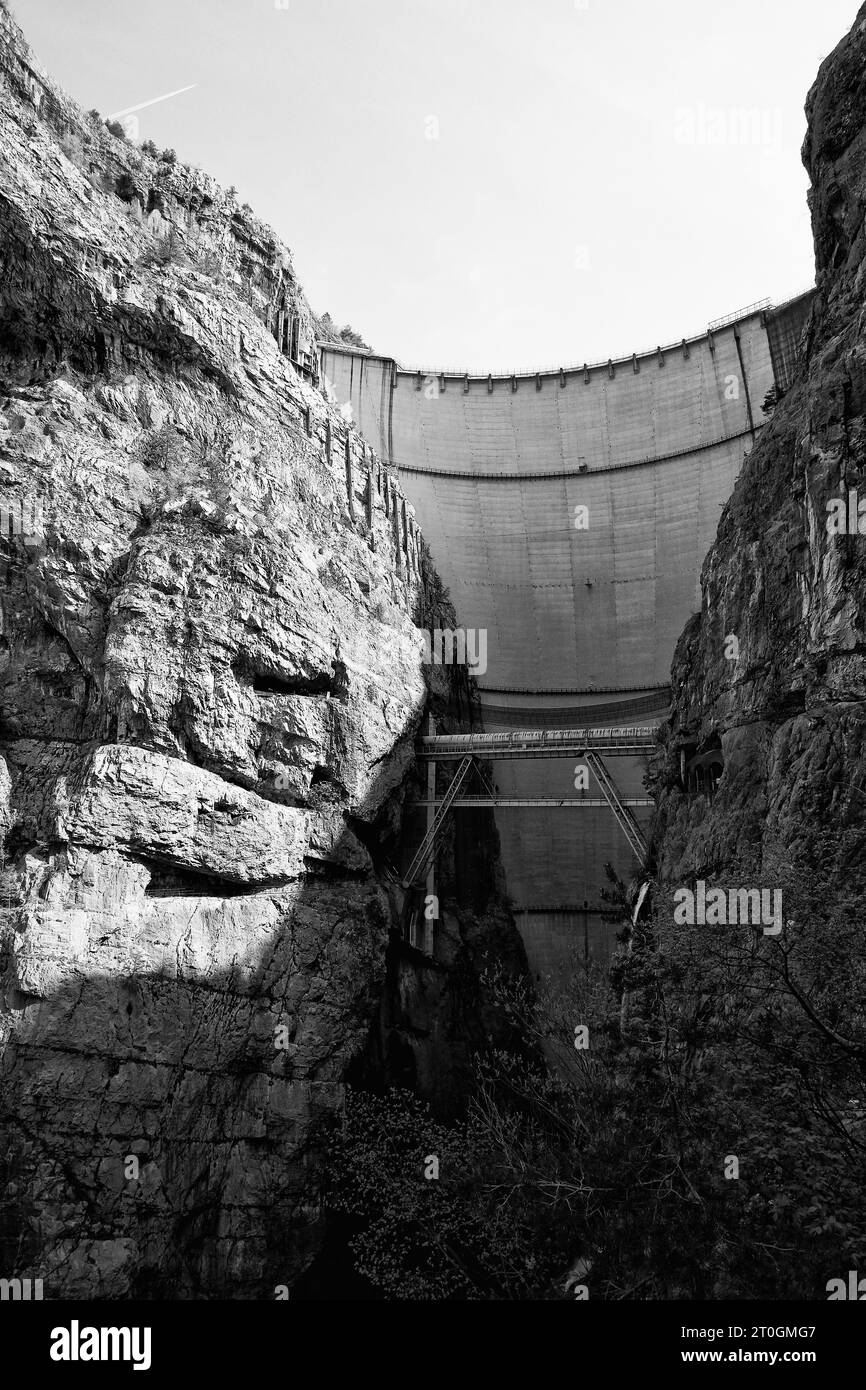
x,y
542,743
587,802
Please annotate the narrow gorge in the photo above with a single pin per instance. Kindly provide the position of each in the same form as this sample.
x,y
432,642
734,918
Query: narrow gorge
x,y
326,971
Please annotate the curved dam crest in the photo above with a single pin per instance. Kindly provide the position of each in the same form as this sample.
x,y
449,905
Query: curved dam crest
x,y
569,512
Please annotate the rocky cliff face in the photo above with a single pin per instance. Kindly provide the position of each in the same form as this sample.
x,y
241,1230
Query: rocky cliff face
x,y
211,684
760,1023
785,700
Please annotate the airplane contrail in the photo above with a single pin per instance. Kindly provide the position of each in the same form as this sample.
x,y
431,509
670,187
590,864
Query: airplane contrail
x,y
128,110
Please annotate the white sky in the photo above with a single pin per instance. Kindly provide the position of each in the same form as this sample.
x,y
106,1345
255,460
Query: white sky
x,y
560,216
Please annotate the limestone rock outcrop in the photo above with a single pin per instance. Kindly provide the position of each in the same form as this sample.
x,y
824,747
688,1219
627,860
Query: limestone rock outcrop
x,y
211,682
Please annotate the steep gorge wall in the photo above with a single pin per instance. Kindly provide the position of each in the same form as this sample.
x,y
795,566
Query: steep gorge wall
x,y
788,713
211,685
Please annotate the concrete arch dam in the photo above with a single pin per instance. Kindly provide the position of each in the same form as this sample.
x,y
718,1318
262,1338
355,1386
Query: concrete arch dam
x,y
569,512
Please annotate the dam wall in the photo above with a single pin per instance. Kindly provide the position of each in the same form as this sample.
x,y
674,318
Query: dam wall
x,y
569,512
604,414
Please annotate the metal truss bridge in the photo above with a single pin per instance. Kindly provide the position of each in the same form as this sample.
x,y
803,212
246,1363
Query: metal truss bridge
x,y
591,744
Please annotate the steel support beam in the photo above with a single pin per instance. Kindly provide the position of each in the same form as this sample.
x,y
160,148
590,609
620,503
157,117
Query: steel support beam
x,y
427,849
636,841
427,928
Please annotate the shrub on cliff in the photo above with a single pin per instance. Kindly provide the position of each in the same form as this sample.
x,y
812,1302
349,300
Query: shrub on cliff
x,y
101,181
165,251
72,146
771,400
165,449
329,331
210,262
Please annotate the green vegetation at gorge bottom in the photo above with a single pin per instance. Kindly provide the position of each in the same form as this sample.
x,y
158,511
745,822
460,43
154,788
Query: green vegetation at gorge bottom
x,y
708,1143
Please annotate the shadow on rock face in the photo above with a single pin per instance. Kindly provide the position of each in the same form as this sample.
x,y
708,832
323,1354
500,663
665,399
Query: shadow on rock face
x,y
167,1059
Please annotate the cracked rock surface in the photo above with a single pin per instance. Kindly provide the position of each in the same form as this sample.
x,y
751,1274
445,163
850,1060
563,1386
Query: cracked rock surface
x,y
788,710
211,682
